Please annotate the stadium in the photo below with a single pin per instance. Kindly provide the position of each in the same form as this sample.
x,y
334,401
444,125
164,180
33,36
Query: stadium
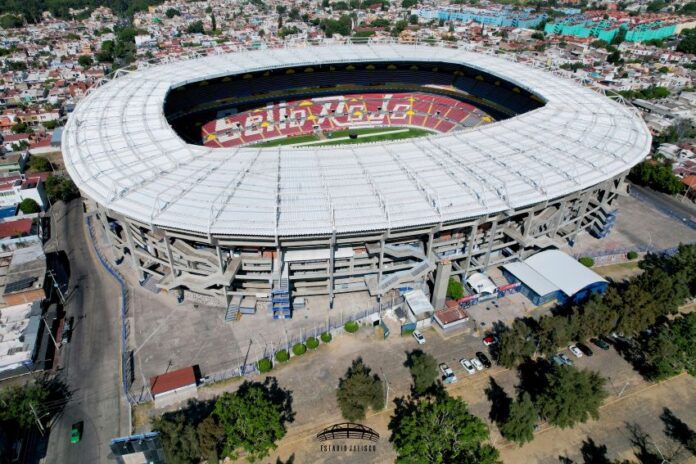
x,y
259,177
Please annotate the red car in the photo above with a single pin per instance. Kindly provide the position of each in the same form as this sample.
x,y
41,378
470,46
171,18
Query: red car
x,y
490,340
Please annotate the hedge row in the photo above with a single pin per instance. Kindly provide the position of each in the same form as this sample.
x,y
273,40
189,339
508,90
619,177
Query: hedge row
x,y
298,349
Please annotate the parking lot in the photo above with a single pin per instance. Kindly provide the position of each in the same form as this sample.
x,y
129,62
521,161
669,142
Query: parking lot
x,y
313,379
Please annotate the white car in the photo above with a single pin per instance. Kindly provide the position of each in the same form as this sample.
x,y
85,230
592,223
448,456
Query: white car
x,y
477,364
419,337
575,350
468,367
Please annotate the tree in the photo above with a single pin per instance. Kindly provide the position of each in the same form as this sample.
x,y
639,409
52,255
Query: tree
x,y
39,164
17,403
61,188
586,261
615,57
519,427
20,127
179,439
358,390
85,61
423,369
439,430
211,437
253,419
455,290
29,206
408,3
11,21
688,42
553,331
516,343
195,27
671,348
213,23
570,396
171,12
106,51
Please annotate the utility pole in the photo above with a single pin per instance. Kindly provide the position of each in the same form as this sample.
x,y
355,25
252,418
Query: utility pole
x,y
56,286
386,382
50,333
38,421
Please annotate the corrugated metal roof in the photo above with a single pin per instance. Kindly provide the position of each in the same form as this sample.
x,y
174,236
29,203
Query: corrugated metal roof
x,y
120,151
563,271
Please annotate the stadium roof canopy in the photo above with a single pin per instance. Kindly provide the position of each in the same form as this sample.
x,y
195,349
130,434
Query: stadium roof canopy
x,y
121,152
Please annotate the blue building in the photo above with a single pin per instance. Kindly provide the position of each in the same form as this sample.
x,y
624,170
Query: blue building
x,y
553,275
504,17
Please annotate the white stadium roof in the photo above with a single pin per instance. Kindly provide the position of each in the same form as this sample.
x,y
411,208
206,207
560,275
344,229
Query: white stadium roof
x,y
121,152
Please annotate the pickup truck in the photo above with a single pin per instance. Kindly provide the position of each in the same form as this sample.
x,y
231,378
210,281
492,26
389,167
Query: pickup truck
x,y
447,374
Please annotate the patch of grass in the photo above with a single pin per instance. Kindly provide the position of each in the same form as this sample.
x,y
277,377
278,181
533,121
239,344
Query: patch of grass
x,y
287,141
411,133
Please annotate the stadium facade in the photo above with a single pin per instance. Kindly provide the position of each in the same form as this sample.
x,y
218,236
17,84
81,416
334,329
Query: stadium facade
x,y
229,226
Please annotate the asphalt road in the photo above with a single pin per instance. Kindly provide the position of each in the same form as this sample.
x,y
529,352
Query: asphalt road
x,y
682,211
89,364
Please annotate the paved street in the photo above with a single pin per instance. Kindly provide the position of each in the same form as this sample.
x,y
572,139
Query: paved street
x,y
90,362
679,210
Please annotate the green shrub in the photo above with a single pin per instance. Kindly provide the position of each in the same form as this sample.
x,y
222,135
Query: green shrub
x,y
265,365
312,343
351,326
282,356
586,261
299,349
632,255
29,206
325,337
455,290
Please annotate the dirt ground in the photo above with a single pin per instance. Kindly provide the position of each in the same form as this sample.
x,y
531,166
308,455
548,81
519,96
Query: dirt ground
x,y
312,379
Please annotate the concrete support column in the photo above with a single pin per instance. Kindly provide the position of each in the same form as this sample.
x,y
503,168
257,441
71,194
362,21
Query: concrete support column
x,y
221,263
380,266
429,245
332,257
581,215
559,222
170,257
102,217
469,247
131,247
491,239
442,276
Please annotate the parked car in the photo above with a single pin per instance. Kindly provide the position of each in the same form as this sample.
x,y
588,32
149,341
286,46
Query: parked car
x,y
575,350
419,337
566,360
490,340
585,349
76,432
447,374
557,360
600,343
468,367
484,359
66,335
477,364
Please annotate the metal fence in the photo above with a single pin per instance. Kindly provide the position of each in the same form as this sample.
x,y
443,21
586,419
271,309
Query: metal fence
x,y
127,365
247,365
